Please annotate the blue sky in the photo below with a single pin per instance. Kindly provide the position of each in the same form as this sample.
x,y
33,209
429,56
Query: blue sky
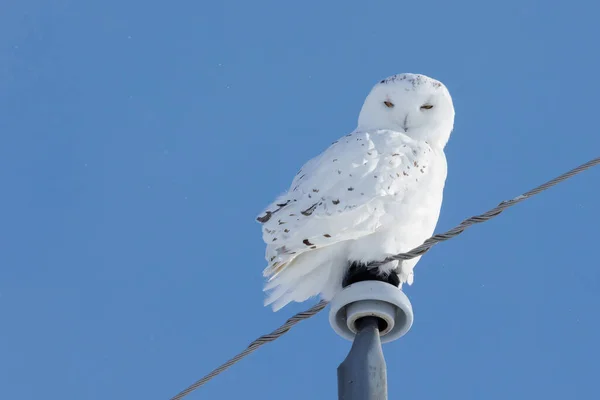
x,y
138,140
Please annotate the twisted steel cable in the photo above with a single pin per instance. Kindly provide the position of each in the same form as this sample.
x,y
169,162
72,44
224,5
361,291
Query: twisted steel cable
x,y
252,347
486,216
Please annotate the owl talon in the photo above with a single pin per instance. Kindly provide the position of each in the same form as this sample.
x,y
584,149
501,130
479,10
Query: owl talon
x,y
359,272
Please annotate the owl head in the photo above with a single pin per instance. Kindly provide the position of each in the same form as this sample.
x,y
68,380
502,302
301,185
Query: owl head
x,y
419,106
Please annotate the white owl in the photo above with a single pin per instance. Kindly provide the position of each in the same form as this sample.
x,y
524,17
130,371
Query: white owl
x,y
373,193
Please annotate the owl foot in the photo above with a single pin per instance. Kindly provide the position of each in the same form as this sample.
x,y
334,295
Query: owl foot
x,y
359,272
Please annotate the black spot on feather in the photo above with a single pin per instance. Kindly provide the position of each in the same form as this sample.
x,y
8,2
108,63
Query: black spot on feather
x,y
269,214
265,217
309,210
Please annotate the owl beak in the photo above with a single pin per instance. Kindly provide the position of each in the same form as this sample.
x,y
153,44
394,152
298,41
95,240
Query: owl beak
x,y
405,124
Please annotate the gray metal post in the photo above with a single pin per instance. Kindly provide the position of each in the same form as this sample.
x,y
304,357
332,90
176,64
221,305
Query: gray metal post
x,y
362,375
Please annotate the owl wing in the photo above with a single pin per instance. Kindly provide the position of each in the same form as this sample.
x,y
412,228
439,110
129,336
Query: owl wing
x,y
341,194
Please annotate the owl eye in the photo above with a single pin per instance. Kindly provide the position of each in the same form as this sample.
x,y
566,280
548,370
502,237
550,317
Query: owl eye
x,y
388,104
426,107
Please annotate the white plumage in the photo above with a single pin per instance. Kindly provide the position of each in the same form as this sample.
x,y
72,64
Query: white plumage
x,y
373,193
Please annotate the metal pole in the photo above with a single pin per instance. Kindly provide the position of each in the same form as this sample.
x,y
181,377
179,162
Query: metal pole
x,y
362,375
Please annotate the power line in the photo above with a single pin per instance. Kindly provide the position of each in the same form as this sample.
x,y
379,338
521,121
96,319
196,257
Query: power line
x,y
486,216
416,252
269,337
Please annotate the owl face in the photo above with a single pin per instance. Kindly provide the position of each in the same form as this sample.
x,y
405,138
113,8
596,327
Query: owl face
x,y
419,106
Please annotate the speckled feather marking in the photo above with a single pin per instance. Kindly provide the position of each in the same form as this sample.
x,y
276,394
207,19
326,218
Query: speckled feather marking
x,y
319,211
414,80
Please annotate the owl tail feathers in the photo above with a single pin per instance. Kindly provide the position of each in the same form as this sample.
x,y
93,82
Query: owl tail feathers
x,y
305,276
274,269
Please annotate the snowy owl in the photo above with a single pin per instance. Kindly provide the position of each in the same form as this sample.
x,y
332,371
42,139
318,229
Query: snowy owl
x,y
373,193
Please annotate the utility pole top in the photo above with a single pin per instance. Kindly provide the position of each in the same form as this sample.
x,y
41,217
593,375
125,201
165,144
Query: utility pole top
x,y
363,375
368,312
